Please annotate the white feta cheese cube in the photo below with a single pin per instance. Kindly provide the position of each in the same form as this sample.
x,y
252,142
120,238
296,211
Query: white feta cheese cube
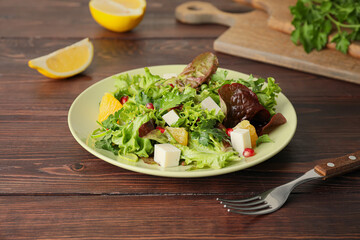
x,y
240,139
209,104
170,117
167,155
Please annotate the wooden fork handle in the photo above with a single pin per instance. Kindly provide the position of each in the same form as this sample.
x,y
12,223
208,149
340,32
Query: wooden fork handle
x,y
335,166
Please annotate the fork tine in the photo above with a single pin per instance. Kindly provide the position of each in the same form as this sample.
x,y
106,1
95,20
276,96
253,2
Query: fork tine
x,y
247,209
238,201
253,203
261,212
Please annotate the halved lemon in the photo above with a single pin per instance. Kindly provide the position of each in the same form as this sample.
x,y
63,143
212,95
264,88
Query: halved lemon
x,y
118,15
65,62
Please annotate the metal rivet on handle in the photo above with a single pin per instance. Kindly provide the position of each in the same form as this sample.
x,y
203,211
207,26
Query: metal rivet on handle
x,y
352,157
330,164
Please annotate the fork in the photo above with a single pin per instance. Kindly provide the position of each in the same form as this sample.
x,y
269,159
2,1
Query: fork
x,y
274,199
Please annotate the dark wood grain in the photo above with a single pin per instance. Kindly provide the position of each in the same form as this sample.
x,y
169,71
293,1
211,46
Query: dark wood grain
x,y
72,19
38,116
115,56
51,188
174,217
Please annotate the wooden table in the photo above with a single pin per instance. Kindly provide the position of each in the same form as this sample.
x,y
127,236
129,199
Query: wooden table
x,y
51,188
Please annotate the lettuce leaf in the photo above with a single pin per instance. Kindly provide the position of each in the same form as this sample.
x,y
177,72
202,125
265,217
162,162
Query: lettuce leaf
x,y
147,85
106,144
128,141
240,103
121,130
214,156
263,139
131,110
174,98
143,98
192,115
199,71
157,136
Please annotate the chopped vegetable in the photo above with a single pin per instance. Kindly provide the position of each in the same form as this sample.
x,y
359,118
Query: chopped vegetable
x,y
150,106
248,152
228,131
124,99
162,130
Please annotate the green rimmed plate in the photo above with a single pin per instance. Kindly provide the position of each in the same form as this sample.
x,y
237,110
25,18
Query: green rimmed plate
x,y
84,111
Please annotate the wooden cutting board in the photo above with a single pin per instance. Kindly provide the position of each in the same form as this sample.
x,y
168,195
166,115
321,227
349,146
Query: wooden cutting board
x,y
250,37
280,19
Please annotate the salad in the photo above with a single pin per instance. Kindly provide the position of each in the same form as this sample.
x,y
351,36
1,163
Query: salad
x,y
198,117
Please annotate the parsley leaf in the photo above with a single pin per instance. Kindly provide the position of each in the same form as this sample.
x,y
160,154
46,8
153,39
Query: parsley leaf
x,y
314,20
207,131
342,41
142,98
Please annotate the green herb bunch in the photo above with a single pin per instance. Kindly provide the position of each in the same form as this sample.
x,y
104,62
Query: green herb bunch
x,y
314,21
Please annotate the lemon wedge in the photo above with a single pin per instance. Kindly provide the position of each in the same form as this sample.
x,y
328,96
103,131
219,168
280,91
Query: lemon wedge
x,y
65,62
118,15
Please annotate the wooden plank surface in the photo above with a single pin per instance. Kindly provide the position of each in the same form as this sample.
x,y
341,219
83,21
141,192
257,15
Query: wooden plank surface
x,y
51,188
174,217
249,36
72,19
39,112
114,56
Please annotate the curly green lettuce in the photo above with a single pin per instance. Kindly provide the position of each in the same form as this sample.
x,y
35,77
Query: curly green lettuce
x,y
214,155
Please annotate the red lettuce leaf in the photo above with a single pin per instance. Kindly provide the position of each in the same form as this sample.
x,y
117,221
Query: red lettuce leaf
x,y
240,103
146,128
199,71
276,120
